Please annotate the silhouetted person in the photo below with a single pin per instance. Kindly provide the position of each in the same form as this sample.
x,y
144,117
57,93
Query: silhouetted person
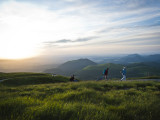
x,y
106,73
72,78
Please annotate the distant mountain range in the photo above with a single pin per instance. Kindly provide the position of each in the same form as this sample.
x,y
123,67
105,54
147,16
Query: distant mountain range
x,y
133,58
86,69
24,65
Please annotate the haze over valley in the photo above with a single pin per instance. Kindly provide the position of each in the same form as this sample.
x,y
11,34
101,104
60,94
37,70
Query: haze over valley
x,y
87,68
79,59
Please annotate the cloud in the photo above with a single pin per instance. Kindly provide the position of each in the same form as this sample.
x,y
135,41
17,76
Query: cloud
x,y
85,39
72,23
63,41
67,41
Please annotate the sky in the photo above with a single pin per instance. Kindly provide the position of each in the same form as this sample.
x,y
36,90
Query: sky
x,y
31,28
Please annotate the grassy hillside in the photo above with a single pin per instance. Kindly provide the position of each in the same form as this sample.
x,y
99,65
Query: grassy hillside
x,y
71,67
81,101
85,69
133,70
141,70
96,71
30,78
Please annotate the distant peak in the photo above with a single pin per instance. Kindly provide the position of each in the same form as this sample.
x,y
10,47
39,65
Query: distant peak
x,y
134,55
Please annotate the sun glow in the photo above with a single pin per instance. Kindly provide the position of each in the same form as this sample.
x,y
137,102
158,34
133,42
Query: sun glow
x,y
30,28
25,27
17,50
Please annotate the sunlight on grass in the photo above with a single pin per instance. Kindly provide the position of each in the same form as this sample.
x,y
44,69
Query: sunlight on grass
x,y
82,100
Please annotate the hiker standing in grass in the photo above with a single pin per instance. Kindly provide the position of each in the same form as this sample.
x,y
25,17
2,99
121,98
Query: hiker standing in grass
x,y
123,74
105,73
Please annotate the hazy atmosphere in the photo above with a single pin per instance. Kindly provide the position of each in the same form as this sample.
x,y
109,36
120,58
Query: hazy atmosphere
x,y
30,28
79,59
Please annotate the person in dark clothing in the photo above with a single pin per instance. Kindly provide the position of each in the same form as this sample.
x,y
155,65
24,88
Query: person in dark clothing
x,y
106,73
72,78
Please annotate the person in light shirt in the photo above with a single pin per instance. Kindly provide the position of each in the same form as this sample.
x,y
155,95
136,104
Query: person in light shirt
x,y
123,74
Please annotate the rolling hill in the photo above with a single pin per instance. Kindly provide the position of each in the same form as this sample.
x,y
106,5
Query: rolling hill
x,y
71,67
85,69
84,100
24,78
96,71
133,70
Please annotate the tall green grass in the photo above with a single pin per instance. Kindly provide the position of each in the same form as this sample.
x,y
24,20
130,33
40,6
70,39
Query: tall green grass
x,y
90,100
17,79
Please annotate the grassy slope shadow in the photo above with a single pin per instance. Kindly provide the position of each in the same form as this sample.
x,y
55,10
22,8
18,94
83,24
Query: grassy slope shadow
x,y
31,79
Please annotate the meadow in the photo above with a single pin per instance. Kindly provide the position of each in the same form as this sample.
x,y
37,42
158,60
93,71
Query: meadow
x,y
84,100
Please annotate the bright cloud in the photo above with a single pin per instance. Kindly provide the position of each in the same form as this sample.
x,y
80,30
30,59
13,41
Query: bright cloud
x,y
29,28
